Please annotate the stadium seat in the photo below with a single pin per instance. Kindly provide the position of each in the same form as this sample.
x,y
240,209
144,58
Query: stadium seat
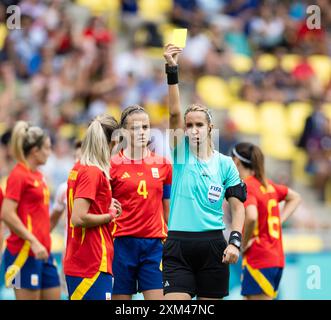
x,y
67,131
297,113
289,61
245,116
100,6
214,92
114,110
322,67
273,118
327,109
151,10
267,62
300,175
157,112
278,146
241,63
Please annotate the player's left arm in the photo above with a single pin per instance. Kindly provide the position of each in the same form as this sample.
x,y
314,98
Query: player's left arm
x,y
292,201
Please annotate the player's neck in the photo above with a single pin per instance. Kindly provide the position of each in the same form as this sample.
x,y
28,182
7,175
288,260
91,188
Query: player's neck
x,y
135,153
31,164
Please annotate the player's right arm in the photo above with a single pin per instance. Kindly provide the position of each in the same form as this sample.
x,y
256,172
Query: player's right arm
x,y
171,53
14,223
251,216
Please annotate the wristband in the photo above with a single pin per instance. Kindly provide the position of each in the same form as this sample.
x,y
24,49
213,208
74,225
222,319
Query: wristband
x,y
235,239
172,74
112,212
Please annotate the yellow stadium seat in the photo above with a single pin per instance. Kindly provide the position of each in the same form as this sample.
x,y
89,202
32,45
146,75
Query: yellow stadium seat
x,y
328,193
322,67
3,34
115,111
245,116
100,6
300,159
273,118
297,113
152,10
3,128
214,92
241,63
278,146
267,62
289,61
67,131
327,109
157,112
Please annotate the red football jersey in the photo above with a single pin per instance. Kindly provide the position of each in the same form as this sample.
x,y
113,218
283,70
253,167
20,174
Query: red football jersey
x,y
267,248
138,186
1,199
89,250
29,190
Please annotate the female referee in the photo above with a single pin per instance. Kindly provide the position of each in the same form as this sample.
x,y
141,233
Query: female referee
x,y
263,256
89,251
196,256
141,183
29,265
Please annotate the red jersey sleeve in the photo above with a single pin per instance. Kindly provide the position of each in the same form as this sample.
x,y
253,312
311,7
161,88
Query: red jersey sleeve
x,y
281,191
15,186
251,198
87,184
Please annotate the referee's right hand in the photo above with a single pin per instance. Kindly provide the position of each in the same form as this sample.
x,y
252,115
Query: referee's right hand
x,y
230,255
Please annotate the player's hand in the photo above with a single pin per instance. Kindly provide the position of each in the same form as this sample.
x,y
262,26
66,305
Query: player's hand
x,y
171,53
231,254
115,204
39,250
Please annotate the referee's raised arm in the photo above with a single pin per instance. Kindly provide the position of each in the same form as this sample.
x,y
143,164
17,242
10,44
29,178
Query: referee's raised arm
x,y
171,53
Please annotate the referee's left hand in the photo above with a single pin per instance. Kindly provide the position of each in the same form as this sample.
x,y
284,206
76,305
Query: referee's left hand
x,y
231,254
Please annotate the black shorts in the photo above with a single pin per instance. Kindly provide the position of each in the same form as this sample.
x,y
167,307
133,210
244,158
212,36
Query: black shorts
x,y
192,263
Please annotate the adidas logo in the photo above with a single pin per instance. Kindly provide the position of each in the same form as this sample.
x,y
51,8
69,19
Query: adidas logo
x,y
166,284
125,175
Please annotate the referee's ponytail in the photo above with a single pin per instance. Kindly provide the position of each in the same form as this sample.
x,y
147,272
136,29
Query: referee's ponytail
x,y
95,145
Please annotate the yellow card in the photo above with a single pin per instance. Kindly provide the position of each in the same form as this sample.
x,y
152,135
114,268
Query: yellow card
x,y
179,37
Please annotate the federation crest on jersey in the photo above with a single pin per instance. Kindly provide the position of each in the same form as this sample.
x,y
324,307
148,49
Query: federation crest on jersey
x,y
214,193
155,173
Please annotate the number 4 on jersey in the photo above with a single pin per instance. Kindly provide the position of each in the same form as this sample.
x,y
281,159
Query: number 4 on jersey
x,y
142,189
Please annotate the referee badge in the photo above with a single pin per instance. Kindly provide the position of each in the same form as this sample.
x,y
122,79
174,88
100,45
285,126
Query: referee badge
x,y
155,173
214,193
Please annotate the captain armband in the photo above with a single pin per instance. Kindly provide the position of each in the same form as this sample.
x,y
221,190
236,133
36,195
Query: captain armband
x,y
238,191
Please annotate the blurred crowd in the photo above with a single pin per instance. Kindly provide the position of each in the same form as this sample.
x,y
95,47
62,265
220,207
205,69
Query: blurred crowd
x,y
73,60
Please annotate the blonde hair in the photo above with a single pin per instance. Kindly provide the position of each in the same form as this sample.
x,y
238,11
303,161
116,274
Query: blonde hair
x,y
95,145
198,107
24,138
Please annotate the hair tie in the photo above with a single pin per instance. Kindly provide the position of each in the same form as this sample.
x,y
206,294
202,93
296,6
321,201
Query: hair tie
x,y
241,158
